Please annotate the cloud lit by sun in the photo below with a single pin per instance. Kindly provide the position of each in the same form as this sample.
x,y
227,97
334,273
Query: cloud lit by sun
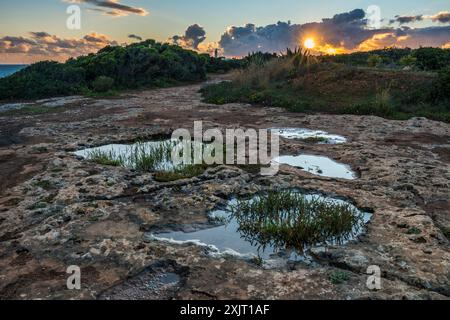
x,y
309,43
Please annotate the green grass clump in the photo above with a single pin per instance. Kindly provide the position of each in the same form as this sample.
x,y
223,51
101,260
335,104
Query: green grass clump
x,y
414,230
339,277
315,139
150,157
38,205
446,232
289,219
44,184
106,158
184,172
30,111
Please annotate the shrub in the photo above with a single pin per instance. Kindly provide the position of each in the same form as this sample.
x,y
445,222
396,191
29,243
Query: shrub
x,y
43,79
374,60
144,64
442,84
408,61
432,58
102,84
339,277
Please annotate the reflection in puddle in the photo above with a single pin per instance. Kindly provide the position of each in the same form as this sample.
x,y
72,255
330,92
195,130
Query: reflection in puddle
x,y
232,237
318,136
319,165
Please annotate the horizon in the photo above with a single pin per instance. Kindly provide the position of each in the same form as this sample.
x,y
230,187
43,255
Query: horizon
x,y
32,32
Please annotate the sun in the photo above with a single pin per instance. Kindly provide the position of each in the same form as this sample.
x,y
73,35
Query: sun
x,y
309,43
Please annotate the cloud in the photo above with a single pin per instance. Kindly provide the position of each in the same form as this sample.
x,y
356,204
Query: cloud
x,y
136,37
112,7
44,46
344,32
193,37
442,17
407,19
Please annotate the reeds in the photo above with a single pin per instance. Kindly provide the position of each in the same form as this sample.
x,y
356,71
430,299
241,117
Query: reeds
x,y
293,220
149,157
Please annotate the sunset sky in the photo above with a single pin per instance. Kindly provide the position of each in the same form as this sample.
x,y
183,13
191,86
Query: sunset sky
x,y
33,30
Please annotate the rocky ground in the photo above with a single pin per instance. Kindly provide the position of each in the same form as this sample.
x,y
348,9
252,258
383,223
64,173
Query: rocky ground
x,y
57,210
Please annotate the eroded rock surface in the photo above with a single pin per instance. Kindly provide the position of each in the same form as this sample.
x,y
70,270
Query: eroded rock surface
x,y
57,210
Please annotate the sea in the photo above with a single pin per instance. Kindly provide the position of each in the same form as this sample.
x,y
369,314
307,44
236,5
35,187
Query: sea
x,y
9,69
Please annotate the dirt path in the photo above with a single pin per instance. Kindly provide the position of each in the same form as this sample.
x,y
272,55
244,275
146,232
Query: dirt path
x,y
57,211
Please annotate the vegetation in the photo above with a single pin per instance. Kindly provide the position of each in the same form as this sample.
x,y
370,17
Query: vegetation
x,y
185,172
300,82
339,277
315,139
31,111
140,156
414,230
290,219
446,232
374,60
144,64
426,59
103,84
153,157
106,158
220,65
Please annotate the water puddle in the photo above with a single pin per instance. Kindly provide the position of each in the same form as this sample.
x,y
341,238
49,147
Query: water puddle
x,y
235,236
315,136
148,285
318,165
151,155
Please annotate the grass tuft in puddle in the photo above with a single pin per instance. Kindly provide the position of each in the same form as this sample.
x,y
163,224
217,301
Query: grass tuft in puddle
x,y
106,158
316,139
155,157
289,219
150,157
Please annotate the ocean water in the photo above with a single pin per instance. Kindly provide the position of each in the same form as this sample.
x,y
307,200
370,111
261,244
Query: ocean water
x,y
9,69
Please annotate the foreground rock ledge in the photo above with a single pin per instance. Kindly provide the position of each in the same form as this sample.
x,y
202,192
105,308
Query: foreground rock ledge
x,y
57,211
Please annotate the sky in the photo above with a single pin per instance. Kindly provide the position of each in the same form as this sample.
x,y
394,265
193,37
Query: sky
x,y
33,30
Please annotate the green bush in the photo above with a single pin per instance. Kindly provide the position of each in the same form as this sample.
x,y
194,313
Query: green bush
x,y
374,60
144,64
102,84
442,85
408,61
339,277
432,58
428,59
43,79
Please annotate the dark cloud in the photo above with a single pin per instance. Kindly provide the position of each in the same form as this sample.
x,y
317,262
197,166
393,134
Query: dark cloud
x,y
343,32
443,17
407,19
136,37
193,37
114,8
39,34
353,16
